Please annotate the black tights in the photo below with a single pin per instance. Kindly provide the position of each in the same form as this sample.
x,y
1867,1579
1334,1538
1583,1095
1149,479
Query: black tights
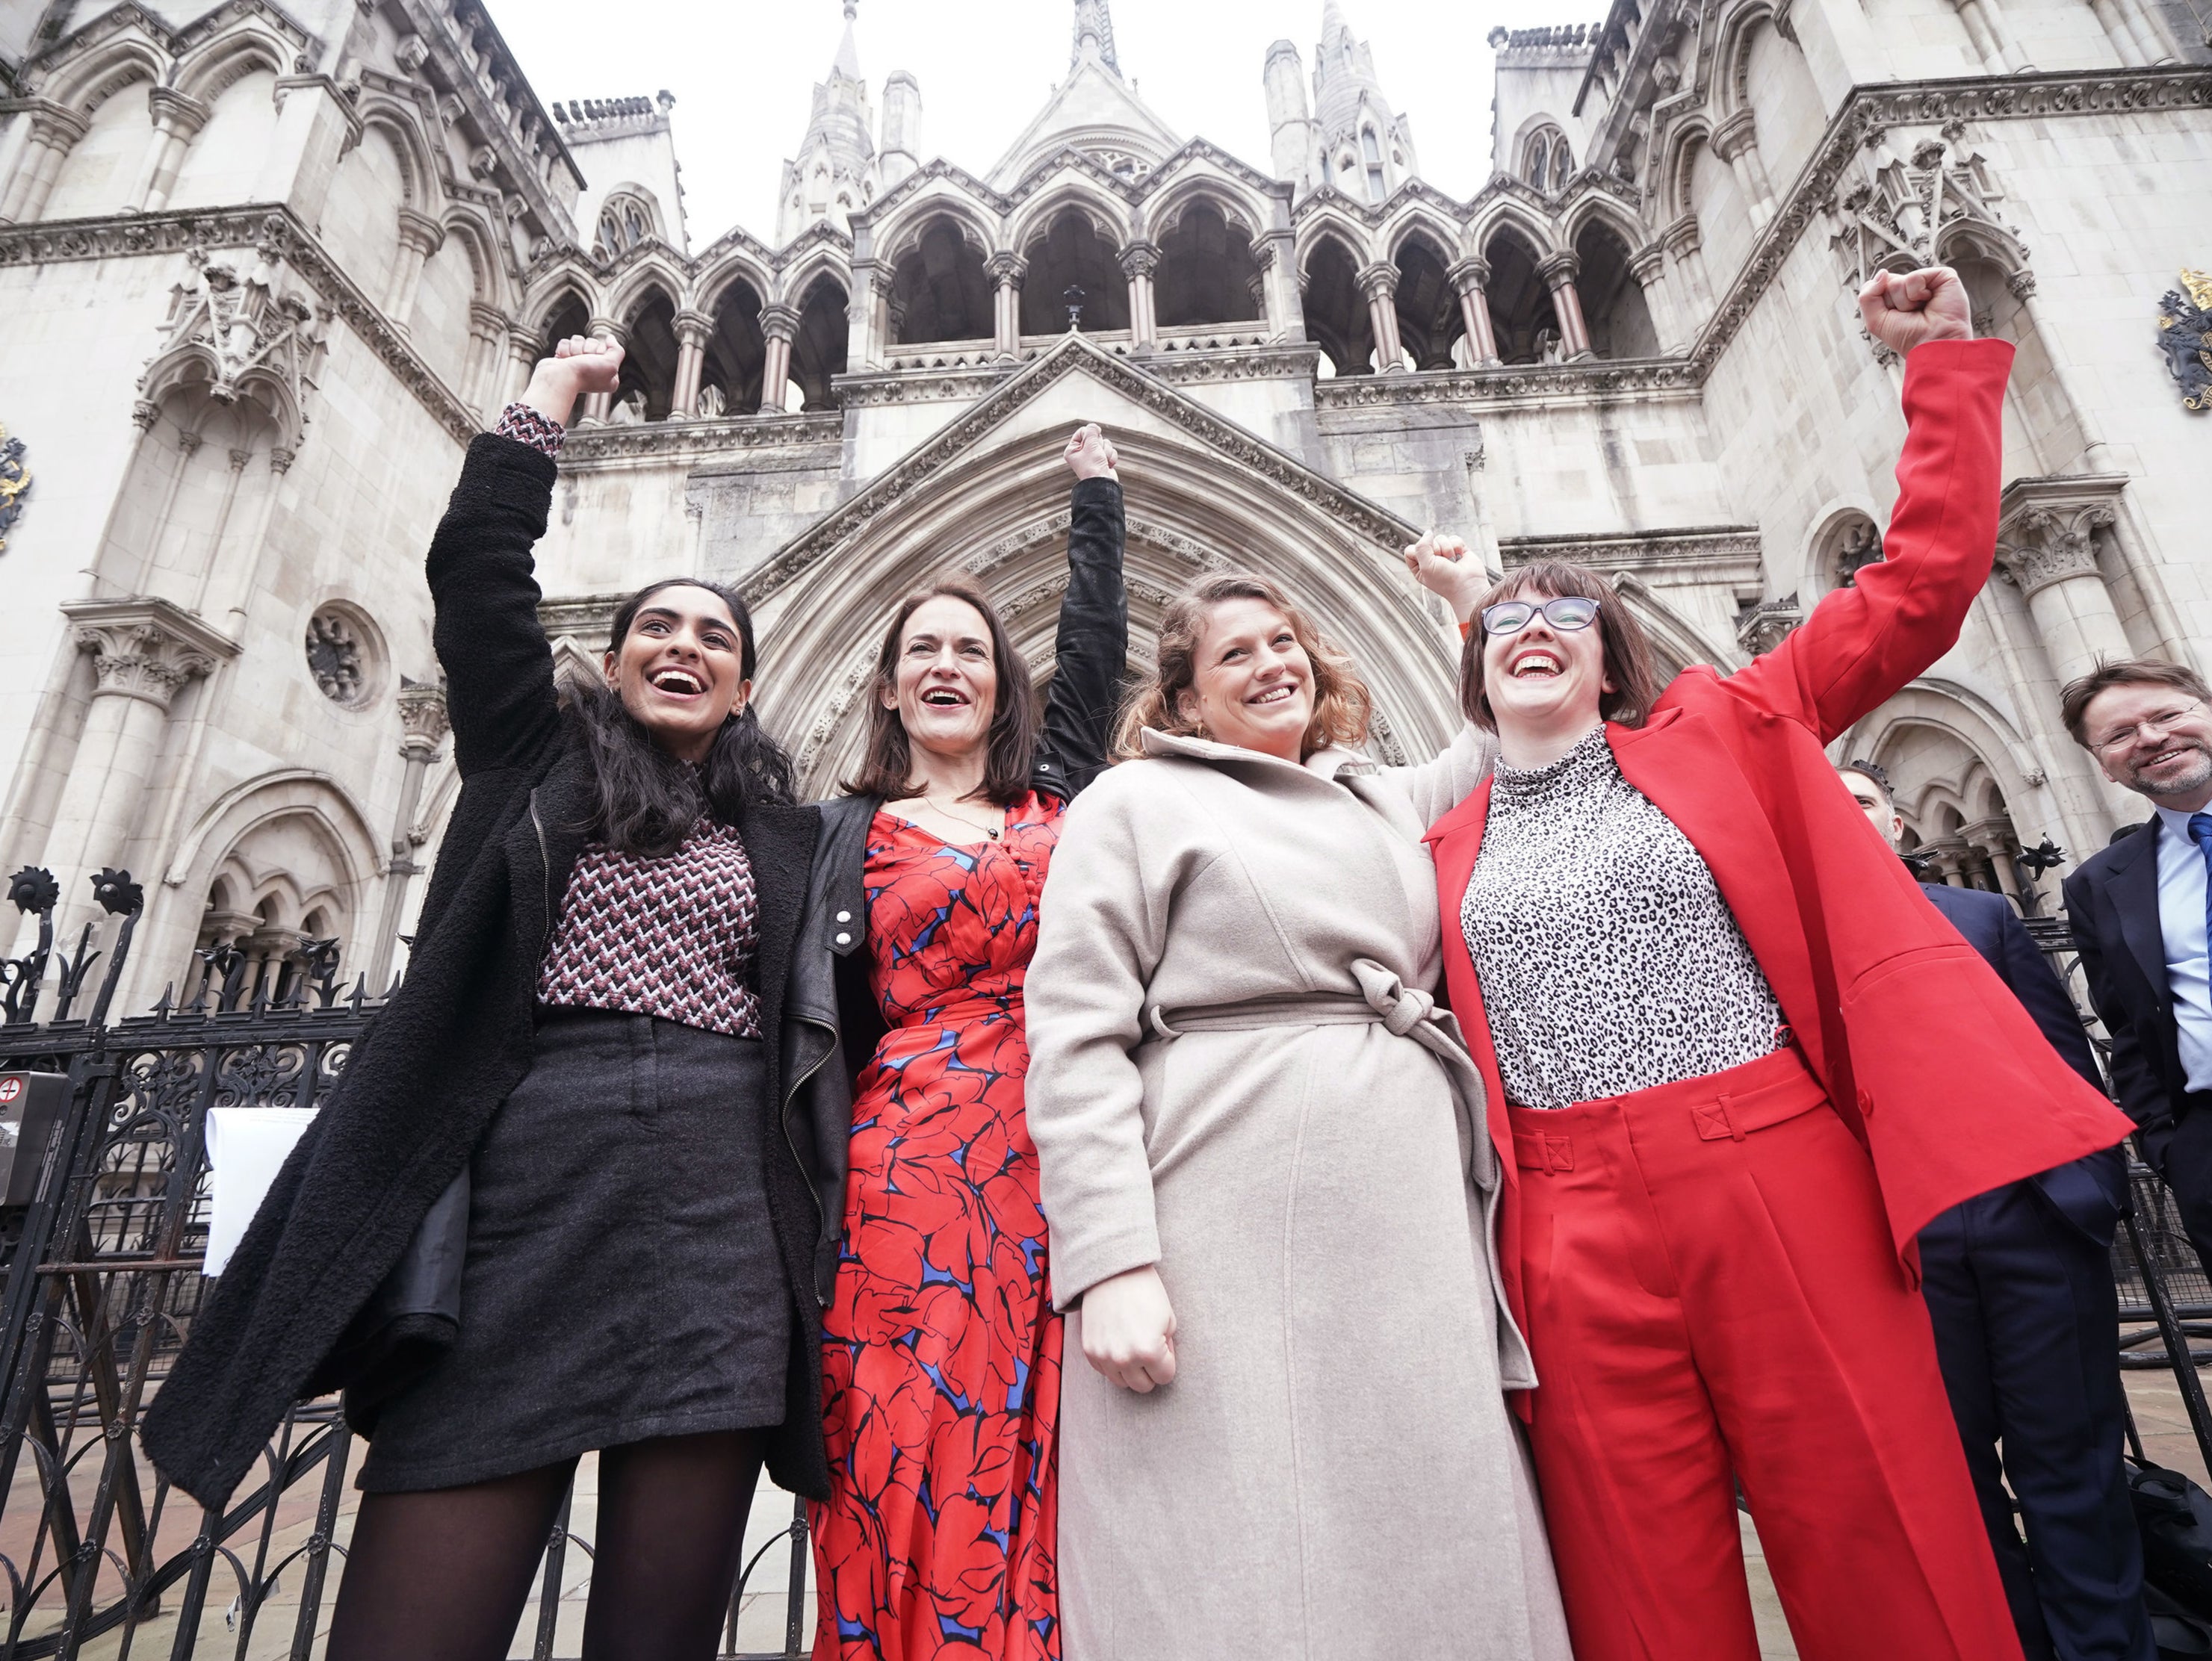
x,y
444,1574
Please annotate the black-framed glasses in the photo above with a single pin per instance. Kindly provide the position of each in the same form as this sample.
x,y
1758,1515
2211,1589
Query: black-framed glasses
x,y
1567,611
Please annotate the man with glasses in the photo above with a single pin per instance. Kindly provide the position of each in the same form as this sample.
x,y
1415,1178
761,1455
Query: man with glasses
x,y
2019,1286
2138,909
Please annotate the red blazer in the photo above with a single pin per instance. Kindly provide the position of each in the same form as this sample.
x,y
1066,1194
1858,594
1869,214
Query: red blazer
x,y
1925,1054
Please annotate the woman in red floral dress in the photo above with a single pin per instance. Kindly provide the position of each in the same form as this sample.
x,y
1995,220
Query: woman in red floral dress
x,y
941,1353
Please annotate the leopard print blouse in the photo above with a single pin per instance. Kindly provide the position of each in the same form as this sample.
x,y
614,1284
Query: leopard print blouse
x,y
1607,959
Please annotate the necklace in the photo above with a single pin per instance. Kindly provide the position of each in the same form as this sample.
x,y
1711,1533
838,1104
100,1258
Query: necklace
x,y
990,831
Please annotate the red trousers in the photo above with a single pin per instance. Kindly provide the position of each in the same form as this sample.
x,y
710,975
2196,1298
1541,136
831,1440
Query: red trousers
x,y
1712,1295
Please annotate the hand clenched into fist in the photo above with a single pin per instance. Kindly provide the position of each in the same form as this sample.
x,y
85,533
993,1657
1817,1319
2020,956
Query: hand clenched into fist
x,y
580,367
1129,1330
1907,311
1444,565
1091,454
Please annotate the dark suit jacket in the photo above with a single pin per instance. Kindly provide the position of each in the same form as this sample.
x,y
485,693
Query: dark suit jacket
x,y
2112,903
2091,1193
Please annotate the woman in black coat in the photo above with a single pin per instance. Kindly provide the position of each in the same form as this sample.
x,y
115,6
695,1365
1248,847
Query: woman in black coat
x,y
941,1353
592,1028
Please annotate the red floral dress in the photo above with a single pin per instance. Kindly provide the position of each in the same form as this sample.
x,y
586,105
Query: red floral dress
x,y
941,1353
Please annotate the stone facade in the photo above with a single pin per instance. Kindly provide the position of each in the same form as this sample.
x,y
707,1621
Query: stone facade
x,y
263,270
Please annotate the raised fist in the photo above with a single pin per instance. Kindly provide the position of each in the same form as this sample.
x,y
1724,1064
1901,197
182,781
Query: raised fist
x,y
1091,454
1904,312
1445,567
595,360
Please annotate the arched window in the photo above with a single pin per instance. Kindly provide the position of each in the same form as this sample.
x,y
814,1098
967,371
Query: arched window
x,y
1337,317
625,220
1545,160
1372,152
939,289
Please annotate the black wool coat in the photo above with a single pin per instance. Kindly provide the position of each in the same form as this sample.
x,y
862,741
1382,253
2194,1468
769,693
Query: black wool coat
x,y
421,1088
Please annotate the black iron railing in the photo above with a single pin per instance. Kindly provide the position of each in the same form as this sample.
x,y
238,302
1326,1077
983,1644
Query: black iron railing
x,y
103,1278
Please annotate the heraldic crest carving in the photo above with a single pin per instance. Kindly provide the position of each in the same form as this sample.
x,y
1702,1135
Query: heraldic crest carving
x,y
14,479
2185,324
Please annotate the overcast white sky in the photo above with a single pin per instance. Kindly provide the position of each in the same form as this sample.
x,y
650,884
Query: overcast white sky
x,y
744,73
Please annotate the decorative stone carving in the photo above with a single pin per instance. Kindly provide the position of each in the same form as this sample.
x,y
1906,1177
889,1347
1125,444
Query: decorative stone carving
x,y
1762,628
144,648
249,323
2049,542
1895,218
421,716
2184,335
341,656
1859,547
14,484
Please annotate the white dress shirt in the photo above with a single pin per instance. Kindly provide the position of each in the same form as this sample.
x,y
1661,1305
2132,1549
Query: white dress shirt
x,y
2181,888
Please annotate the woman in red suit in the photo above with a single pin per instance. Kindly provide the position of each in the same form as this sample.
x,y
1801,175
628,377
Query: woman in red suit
x,y
1736,1060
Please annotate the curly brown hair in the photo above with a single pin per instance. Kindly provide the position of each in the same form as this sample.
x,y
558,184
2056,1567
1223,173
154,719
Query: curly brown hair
x,y
1342,704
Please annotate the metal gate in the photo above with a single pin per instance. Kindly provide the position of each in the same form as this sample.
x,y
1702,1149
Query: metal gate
x,y
103,1278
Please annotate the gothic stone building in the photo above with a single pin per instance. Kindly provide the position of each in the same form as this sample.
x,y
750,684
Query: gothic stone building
x,y
264,268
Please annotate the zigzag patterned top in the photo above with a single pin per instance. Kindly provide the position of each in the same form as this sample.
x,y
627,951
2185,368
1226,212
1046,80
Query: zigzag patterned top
x,y
673,937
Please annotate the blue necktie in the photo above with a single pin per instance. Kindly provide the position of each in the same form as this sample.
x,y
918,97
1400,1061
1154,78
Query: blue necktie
x,y
2200,832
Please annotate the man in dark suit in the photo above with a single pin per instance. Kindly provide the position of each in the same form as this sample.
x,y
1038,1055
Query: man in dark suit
x,y
2138,911
2018,1286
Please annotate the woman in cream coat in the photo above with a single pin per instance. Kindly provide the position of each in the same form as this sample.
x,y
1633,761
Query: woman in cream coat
x,y
1269,1204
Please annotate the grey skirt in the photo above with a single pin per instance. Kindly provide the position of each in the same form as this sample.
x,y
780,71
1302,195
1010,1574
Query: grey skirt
x,y
622,1279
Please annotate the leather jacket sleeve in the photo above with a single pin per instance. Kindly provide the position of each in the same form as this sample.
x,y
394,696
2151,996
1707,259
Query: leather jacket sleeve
x,y
1091,647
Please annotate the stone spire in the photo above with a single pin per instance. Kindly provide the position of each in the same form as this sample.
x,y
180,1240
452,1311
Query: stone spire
x,y
830,179
1369,150
1094,35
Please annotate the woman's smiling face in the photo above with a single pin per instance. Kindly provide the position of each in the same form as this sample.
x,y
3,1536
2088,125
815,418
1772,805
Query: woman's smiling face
x,y
1540,676
945,683
680,669
1251,680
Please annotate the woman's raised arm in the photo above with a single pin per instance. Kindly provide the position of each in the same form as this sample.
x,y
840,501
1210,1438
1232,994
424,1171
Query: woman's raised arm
x,y
1863,644
1448,569
1092,645
498,665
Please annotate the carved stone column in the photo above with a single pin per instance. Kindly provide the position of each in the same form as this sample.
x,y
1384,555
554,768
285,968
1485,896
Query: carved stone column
x,y
143,651
2140,22
487,332
422,718
53,133
596,406
1685,245
1559,272
1379,282
420,237
523,354
2119,31
693,330
780,326
1276,253
2047,546
865,317
1138,261
177,118
1736,140
1992,37
1471,278
1648,265
1006,272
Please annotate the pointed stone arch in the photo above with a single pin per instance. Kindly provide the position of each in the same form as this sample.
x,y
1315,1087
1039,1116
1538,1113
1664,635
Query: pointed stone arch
x,y
986,495
82,84
251,43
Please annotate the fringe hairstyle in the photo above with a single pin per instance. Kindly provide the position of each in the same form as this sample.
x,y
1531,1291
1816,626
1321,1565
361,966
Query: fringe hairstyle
x,y
887,764
648,801
1627,651
1342,704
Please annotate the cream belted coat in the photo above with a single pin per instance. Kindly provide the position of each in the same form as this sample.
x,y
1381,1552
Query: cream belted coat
x,y
1237,1073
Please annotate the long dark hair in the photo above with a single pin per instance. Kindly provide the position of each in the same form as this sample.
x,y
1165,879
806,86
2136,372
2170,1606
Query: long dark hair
x,y
648,801
887,765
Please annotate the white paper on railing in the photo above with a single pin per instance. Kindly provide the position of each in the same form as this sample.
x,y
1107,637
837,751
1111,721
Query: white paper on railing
x,y
246,1147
